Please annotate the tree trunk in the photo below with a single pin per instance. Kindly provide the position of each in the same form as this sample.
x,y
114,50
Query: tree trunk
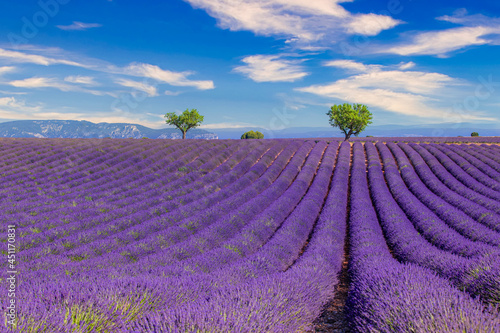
x,y
184,135
348,135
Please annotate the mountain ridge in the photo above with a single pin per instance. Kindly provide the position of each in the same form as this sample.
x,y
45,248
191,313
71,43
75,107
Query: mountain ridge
x,y
87,129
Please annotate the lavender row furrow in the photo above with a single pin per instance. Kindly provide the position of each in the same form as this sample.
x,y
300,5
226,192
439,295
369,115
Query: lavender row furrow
x,y
136,176
257,230
486,150
159,237
60,227
478,276
387,296
88,160
440,223
53,206
45,168
132,216
469,168
165,233
304,288
482,155
478,163
458,196
464,179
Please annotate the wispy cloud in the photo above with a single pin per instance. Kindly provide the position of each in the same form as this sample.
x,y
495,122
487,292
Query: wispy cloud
x,y
166,76
411,93
48,57
23,57
86,80
141,86
299,21
271,68
79,26
40,82
406,65
5,92
18,110
442,42
51,82
352,66
14,103
370,24
7,69
13,108
475,30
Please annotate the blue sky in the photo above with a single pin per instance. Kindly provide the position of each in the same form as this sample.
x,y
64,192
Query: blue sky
x,y
263,63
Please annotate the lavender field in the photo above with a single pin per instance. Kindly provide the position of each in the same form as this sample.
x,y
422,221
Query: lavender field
x,y
131,235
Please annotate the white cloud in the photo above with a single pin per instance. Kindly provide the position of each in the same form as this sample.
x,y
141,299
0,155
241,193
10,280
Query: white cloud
x,y
475,30
79,26
410,93
299,21
370,24
406,65
358,67
12,108
170,77
134,69
39,113
141,86
40,82
12,102
352,65
12,92
86,80
22,57
7,69
270,68
442,42
50,82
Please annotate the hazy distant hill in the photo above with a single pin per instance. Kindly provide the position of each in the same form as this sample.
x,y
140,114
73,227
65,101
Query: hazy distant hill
x,y
86,129
445,129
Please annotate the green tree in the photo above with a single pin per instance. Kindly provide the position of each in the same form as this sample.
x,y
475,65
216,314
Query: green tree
x,y
185,121
252,135
351,119
474,134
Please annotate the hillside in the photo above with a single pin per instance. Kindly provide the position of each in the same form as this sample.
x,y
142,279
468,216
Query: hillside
x,y
87,129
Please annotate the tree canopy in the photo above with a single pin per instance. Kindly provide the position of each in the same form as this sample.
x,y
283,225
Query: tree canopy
x,y
252,135
184,122
474,134
351,119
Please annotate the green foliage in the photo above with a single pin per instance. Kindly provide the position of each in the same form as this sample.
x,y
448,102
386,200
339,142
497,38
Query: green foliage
x,y
351,119
252,135
474,134
184,122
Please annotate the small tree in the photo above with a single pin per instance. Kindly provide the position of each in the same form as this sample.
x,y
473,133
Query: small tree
x,y
351,119
184,122
252,135
474,134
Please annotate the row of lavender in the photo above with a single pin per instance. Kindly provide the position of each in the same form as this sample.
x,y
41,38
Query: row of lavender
x,y
249,237
443,139
277,176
